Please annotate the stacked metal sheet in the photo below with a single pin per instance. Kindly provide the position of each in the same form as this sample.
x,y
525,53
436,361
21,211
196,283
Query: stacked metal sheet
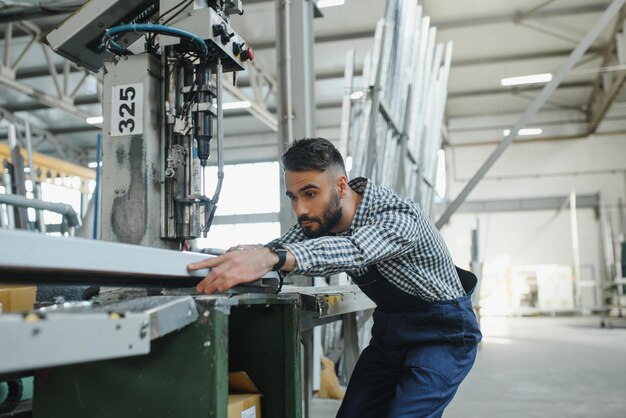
x,y
393,131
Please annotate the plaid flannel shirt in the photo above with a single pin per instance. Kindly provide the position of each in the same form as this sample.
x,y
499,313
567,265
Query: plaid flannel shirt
x,y
389,231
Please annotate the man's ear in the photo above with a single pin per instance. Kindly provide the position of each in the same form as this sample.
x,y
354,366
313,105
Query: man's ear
x,y
342,185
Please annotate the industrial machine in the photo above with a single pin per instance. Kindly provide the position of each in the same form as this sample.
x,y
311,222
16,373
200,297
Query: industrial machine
x,y
163,63
164,353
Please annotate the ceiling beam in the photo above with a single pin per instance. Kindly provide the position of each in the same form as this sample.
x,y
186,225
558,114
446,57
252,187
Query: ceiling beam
x,y
608,85
243,81
605,19
503,90
441,25
347,36
32,105
462,23
44,99
93,99
558,203
41,71
497,59
519,16
64,149
76,129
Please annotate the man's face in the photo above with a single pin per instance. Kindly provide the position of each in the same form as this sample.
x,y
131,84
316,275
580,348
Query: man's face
x,y
315,200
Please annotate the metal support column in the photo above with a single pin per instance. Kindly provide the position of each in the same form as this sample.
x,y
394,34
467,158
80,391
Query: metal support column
x,y
351,343
534,107
302,68
296,75
575,249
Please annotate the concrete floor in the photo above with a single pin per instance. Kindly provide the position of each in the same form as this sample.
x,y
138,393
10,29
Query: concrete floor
x,y
539,367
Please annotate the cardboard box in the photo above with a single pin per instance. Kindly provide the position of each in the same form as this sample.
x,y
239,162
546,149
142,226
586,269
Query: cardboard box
x,y
17,298
244,399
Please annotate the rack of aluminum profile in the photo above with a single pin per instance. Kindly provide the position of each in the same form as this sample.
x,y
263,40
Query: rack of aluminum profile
x,y
391,126
614,283
392,132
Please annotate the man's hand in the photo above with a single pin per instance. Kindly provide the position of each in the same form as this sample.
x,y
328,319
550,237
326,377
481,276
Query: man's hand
x,y
238,265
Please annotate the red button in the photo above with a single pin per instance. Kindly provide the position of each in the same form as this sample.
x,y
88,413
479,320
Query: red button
x,y
248,54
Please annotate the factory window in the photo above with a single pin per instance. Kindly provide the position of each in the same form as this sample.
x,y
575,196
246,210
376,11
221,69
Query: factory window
x,y
60,190
248,189
63,190
229,235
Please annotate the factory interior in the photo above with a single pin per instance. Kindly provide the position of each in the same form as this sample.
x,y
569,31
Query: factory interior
x,y
139,136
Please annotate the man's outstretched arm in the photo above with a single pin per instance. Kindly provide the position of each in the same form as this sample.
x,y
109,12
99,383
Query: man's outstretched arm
x,y
237,267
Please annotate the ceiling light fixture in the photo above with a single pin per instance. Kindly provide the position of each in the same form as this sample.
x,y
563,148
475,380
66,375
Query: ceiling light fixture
x,y
525,132
237,105
329,3
526,79
95,120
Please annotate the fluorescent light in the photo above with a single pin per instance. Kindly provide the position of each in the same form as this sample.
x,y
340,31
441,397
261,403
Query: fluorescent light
x,y
94,164
525,132
356,95
236,105
329,3
95,120
526,79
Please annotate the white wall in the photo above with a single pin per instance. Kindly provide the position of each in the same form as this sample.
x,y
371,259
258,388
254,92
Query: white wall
x,y
538,169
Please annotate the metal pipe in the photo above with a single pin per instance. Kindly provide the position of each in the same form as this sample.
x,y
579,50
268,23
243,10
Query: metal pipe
x,y
33,177
284,97
575,249
96,192
6,179
67,211
168,211
532,110
346,105
188,77
17,163
220,132
8,35
4,221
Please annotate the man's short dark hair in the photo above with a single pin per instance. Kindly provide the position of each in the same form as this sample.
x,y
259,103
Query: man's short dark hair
x,y
317,154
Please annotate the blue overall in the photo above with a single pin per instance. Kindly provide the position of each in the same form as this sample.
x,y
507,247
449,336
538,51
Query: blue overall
x,y
419,354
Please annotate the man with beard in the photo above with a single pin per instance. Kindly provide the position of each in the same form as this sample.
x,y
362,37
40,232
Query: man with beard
x,y
425,333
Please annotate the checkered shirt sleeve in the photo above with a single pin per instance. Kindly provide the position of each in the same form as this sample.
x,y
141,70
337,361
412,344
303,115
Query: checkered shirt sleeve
x,y
389,231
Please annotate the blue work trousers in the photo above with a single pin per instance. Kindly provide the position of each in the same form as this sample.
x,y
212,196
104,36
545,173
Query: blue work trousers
x,y
419,354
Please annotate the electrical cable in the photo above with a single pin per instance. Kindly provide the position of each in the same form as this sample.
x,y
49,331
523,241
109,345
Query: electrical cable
x,y
168,11
108,40
111,44
184,6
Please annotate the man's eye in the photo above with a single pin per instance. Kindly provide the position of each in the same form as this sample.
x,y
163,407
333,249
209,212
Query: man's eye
x,y
310,194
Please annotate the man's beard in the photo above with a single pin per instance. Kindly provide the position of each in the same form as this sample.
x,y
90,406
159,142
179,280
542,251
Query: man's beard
x,y
330,218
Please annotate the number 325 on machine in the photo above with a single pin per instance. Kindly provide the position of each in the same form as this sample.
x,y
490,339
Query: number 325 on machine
x,y
127,110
